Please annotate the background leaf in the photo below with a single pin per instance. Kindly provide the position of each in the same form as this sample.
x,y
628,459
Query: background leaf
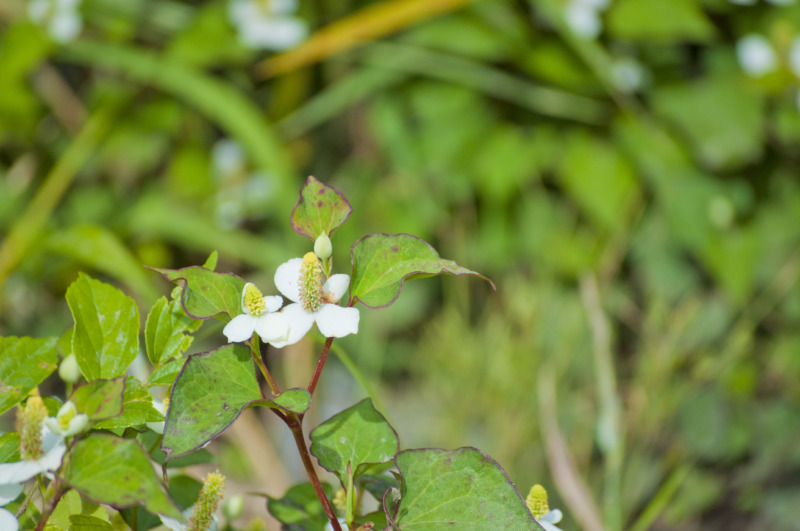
x,y
382,262
462,489
117,472
106,336
321,209
24,364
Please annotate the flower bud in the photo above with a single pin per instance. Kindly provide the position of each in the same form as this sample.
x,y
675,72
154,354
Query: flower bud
x,y
68,370
322,247
233,507
67,421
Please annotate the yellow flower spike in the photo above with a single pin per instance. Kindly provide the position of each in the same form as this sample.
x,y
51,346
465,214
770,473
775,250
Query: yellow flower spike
x,y
253,300
29,426
537,501
310,283
207,502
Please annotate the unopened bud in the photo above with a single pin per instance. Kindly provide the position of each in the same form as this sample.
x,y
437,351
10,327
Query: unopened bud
x,y
233,507
68,370
29,426
67,421
323,247
207,502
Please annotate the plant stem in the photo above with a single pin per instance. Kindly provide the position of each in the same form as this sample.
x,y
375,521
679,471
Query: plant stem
x,y
255,353
320,364
295,424
48,509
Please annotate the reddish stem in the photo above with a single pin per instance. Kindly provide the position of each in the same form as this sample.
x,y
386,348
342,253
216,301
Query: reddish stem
x,y
320,364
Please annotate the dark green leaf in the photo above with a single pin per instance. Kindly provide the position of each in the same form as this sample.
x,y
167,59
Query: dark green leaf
x,y
458,489
106,337
207,294
84,522
9,447
117,472
24,364
100,399
137,407
382,262
321,209
299,508
349,440
294,400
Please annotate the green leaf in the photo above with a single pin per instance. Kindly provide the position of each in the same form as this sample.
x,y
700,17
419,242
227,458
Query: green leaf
x,y
658,21
117,472
9,447
458,489
211,391
300,507
24,363
207,294
292,400
349,441
382,262
106,337
164,329
70,505
165,374
100,399
321,209
137,407
84,522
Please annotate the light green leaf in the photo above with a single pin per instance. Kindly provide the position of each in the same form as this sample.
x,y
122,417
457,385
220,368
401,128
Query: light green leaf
x,y
25,363
352,439
106,337
164,329
658,21
84,522
117,472
100,399
166,373
137,407
461,489
9,447
211,391
205,293
382,262
321,209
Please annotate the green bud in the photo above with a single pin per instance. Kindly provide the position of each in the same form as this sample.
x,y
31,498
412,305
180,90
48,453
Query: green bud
x,y
68,370
233,507
322,247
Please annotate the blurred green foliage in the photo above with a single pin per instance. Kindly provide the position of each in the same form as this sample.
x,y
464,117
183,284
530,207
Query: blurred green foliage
x,y
644,158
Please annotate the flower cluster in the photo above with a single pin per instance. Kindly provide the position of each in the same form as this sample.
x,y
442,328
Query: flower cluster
x,y
314,299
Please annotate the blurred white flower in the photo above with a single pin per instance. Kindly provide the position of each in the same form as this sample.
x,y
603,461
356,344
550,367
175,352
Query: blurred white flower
x,y
756,55
267,24
67,421
13,475
583,19
60,18
628,75
242,192
8,520
794,57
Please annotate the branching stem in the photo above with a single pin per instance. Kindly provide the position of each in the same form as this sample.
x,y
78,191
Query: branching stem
x,y
255,353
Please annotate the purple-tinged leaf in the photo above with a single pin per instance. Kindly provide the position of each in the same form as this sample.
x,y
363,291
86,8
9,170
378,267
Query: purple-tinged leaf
x,y
321,208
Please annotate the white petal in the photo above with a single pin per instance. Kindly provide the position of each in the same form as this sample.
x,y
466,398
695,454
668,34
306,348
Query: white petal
x,y
336,321
549,527
77,424
172,523
242,10
22,471
552,517
240,328
52,459
272,33
9,493
8,521
286,278
336,287
282,7
38,10
272,327
273,303
794,57
64,27
756,55
583,20
50,438
300,322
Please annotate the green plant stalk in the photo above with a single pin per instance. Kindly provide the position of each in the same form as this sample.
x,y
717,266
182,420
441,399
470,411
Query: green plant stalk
x,y
50,506
350,499
362,380
661,499
255,353
295,424
26,229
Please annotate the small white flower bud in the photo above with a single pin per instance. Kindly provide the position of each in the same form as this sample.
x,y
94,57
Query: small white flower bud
x,y
322,247
68,370
233,507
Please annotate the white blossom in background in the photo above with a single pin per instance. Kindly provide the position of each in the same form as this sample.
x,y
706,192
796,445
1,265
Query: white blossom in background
x,y
342,524
756,55
794,57
583,17
242,192
628,75
60,18
267,24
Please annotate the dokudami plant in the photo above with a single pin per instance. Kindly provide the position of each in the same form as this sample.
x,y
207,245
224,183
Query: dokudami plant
x,y
88,459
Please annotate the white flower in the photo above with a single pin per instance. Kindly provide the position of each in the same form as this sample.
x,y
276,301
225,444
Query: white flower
x,y
13,475
8,521
300,280
551,517
628,75
583,19
258,316
794,57
756,55
267,24
67,421
342,522
60,17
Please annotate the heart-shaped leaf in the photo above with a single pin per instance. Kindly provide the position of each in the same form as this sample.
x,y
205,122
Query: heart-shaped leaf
x,y
382,262
458,489
300,507
137,407
25,363
292,400
206,293
353,439
321,209
164,329
105,340
100,399
117,472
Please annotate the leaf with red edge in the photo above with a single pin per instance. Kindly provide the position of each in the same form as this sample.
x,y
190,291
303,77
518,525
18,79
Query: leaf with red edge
x,y
321,208
382,262
205,293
